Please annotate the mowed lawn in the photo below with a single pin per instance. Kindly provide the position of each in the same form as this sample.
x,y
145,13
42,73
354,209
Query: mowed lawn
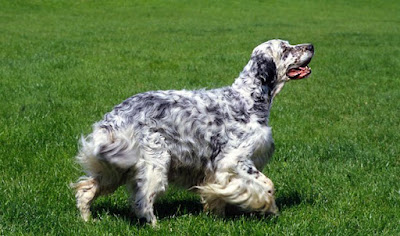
x,y
63,64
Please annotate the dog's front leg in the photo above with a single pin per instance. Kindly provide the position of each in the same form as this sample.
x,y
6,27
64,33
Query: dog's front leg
x,y
238,182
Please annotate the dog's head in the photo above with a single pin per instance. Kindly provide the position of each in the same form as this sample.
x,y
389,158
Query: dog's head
x,y
276,62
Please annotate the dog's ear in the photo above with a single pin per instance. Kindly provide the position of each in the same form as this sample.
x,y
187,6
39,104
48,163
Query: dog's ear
x,y
264,69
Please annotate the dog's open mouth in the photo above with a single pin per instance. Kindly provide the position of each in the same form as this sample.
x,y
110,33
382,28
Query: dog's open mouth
x,y
299,72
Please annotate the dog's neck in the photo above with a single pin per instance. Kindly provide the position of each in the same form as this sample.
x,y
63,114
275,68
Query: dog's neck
x,y
257,95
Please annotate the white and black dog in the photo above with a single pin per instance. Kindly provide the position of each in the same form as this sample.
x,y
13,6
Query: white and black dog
x,y
213,141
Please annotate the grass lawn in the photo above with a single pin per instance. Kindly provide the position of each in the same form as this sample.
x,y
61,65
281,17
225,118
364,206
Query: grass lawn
x,y
63,64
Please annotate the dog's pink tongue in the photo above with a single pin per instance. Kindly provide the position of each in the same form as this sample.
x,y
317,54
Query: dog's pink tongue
x,y
298,73
293,72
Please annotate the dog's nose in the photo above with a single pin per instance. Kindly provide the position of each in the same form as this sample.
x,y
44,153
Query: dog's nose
x,y
310,47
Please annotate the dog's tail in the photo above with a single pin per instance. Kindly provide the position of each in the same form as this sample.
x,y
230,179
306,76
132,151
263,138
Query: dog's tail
x,y
106,156
107,148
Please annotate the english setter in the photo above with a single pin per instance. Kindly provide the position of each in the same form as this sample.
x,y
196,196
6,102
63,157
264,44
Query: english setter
x,y
212,141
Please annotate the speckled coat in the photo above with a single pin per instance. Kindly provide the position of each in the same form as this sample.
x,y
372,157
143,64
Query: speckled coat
x,y
213,141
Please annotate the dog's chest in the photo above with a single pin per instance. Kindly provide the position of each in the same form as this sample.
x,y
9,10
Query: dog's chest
x,y
263,147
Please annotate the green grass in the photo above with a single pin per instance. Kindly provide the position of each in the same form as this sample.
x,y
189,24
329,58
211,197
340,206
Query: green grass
x,y
63,64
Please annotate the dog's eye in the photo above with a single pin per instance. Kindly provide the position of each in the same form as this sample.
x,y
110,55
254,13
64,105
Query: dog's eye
x,y
270,191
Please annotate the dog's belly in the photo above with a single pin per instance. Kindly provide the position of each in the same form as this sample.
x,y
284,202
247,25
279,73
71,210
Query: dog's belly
x,y
185,177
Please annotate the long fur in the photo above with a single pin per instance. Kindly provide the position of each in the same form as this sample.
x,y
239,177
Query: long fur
x,y
214,141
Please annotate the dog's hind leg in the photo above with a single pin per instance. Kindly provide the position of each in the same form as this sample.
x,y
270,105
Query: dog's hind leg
x,y
87,189
150,181
102,176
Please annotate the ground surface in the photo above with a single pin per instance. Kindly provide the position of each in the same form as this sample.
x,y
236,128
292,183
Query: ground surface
x,y
63,64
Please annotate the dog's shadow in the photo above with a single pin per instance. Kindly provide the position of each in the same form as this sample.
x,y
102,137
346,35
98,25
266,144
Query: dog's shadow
x,y
191,206
163,209
292,199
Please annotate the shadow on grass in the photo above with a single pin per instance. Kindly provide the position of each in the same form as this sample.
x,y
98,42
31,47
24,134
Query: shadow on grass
x,y
164,209
167,209
178,208
292,199
106,208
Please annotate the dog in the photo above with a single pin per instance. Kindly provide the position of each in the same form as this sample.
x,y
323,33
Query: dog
x,y
214,142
